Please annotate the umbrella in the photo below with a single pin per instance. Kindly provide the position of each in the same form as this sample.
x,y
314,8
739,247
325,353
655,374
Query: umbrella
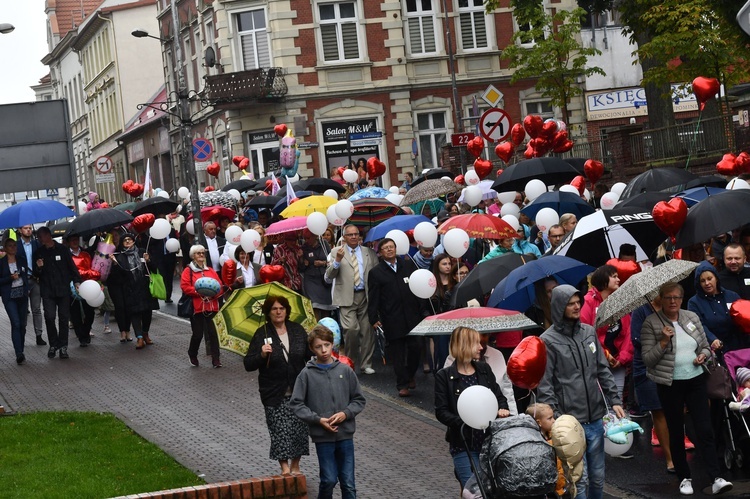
x,y
156,205
640,289
214,213
282,205
310,204
484,277
369,192
479,226
658,179
697,194
130,206
319,185
33,211
431,174
242,314
715,215
549,169
369,212
517,292
645,200
288,225
430,189
561,202
100,220
577,163
707,181
487,191
263,202
597,237
58,230
398,222
214,198
434,205
242,185
481,319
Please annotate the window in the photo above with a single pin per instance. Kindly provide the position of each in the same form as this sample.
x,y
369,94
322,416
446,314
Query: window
x,y
253,39
542,108
473,25
527,38
339,31
420,21
433,135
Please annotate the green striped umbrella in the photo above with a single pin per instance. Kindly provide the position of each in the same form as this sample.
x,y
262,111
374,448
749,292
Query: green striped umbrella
x,y
242,314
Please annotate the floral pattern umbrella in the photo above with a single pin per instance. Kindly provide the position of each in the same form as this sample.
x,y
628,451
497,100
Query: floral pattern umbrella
x,y
482,319
430,189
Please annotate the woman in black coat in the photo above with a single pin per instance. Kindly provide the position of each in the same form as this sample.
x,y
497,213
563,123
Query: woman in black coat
x,y
279,350
14,289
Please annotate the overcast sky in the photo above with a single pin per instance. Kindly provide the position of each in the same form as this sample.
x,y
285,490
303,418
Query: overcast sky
x,y
22,50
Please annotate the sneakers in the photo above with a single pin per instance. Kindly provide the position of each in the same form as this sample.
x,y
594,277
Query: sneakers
x,y
654,439
688,444
107,330
20,359
64,353
216,363
686,487
51,352
40,341
720,486
194,360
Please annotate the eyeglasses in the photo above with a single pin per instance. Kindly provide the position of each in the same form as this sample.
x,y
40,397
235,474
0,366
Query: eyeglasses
x,y
671,298
199,253
355,234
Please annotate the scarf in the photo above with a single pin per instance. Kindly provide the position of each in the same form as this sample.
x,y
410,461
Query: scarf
x,y
134,262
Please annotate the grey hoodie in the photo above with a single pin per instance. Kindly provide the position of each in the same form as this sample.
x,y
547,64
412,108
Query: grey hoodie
x,y
576,365
321,393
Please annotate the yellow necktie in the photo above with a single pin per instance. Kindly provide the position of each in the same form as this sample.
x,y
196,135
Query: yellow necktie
x,y
355,266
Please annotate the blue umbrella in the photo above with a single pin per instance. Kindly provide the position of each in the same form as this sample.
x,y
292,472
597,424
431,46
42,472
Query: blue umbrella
x,y
516,291
698,194
369,192
397,222
33,211
561,202
282,203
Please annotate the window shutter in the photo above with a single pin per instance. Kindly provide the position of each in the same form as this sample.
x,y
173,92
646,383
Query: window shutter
x,y
467,38
330,43
264,54
415,36
428,32
351,45
248,52
481,30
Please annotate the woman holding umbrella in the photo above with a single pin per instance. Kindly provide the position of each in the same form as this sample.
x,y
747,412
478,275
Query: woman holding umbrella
x,y
279,350
204,308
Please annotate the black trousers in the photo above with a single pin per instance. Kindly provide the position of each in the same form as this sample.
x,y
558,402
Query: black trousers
x,y
141,322
82,317
118,298
166,269
57,307
405,354
201,323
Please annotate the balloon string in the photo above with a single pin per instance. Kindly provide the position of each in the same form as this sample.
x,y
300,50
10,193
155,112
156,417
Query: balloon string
x,y
695,136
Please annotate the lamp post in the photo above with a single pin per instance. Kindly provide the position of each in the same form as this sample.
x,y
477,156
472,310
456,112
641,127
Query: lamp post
x,y
6,28
186,124
454,86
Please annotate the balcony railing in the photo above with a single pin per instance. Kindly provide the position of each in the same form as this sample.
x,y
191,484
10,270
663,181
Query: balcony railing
x,y
708,138
255,85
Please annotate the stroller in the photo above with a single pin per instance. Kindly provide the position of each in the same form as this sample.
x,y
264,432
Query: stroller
x,y
733,425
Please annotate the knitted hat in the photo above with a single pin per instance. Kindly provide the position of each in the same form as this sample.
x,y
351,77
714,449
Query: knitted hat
x,y
743,375
92,196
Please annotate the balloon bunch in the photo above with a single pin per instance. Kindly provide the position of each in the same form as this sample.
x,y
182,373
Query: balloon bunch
x,y
734,165
548,135
133,189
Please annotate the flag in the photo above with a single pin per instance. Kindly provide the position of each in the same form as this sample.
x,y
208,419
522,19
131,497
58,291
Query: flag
x,y
289,192
274,185
147,181
475,112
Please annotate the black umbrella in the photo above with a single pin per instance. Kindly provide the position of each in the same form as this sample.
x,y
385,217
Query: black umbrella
x,y
484,277
431,175
714,215
156,205
263,202
577,163
644,200
707,181
561,202
58,229
99,220
658,179
318,185
549,169
242,185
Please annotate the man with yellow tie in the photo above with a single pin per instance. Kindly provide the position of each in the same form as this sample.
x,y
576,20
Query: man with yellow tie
x,y
348,266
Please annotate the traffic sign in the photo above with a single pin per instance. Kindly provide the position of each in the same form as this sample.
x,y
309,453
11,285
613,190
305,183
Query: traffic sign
x,y
495,124
461,139
103,164
492,96
202,150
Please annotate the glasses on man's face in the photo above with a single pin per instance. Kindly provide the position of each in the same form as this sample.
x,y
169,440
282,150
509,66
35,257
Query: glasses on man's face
x,y
355,234
671,298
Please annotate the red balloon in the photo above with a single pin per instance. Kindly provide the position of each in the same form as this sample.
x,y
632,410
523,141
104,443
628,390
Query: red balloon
x,y
625,269
740,313
271,273
565,146
541,146
340,171
142,223
743,162
136,190
410,234
517,134
475,146
127,185
280,130
237,159
549,129
459,180
209,188
559,139
213,169
527,363
579,183
375,167
728,165
530,152
593,169
504,150
105,205
229,272
533,125
669,216
344,359
704,89
483,167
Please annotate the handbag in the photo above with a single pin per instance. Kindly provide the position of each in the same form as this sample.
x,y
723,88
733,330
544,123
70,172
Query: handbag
x,y
156,286
185,304
718,382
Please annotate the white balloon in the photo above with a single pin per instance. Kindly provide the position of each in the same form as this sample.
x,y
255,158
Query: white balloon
x,y
160,229
425,234
737,183
233,234
250,240
317,223
92,240
350,176
614,449
507,197
223,259
344,208
471,178
394,198
97,301
230,249
157,191
190,227
477,407
473,195
179,208
331,194
512,220
333,218
569,188
401,239
456,242
422,283
587,194
89,290
393,189
172,245
609,200
618,187
546,218
163,194
183,192
534,189
81,207
510,209
235,194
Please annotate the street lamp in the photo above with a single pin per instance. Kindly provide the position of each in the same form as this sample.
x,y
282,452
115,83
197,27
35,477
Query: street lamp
x,y
6,28
186,124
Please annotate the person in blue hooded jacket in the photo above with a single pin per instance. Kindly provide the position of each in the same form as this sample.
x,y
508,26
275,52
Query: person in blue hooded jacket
x,y
521,246
711,302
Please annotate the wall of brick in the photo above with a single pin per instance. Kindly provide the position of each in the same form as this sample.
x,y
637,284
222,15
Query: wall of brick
x,y
274,487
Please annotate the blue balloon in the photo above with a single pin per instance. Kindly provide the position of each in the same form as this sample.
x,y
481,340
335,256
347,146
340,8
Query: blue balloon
x,y
333,326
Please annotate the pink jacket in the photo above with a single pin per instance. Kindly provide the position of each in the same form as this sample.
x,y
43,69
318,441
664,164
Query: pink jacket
x,y
591,303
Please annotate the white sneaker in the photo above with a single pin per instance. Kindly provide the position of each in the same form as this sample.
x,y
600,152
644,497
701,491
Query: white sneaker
x,y
720,486
368,370
735,406
686,487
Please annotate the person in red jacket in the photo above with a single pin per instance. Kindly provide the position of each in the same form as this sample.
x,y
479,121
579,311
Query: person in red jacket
x,y
81,313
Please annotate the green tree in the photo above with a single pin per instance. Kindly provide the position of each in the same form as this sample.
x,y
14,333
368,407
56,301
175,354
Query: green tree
x,y
548,49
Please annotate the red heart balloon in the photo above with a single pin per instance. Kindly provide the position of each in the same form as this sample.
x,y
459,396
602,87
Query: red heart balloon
x,y
517,134
743,163
209,188
280,130
533,125
459,180
541,146
669,216
705,89
579,183
136,190
475,146
527,363
271,273
375,167
229,272
565,147
625,269
728,165
593,169
244,164
344,359
530,152
213,169
549,129
237,159
740,313
127,185
142,223
483,167
559,139
504,150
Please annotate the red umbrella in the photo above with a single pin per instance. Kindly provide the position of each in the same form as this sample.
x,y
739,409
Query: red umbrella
x,y
214,213
480,226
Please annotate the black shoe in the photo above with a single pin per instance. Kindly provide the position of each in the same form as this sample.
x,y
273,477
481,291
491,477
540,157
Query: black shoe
x,y
20,359
194,360
83,345
40,341
64,353
168,300
51,352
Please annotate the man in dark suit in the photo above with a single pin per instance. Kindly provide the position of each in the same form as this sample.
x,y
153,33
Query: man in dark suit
x,y
735,275
27,245
214,246
397,310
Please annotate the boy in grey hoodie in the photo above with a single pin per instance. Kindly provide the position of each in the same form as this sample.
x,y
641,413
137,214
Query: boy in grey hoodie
x,y
327,397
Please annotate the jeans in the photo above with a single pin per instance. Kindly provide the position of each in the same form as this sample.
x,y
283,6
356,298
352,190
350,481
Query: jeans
x,y
336,461
591,485
462,466
16,310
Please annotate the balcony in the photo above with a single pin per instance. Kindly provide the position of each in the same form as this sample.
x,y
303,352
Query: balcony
x,y
255,85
